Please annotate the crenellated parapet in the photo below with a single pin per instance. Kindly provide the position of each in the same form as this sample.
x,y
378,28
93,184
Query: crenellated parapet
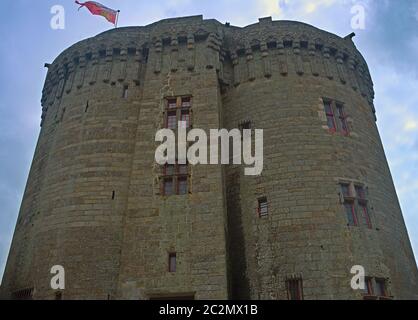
x,y
287,48
238,55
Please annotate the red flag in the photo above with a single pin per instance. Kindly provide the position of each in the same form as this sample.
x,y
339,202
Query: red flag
x,y
99,9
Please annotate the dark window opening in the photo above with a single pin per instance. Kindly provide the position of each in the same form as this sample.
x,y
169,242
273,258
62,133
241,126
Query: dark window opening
x,y
172,262
113,195
368,286
25,294
87,107
131,51
178,109
330,116
336,116
175,179
294,289
343,118
381,288
355,205
272,45
351,214
263,207
125,92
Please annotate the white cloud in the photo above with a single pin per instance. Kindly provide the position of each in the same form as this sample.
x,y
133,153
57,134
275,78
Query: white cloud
x,y
410,125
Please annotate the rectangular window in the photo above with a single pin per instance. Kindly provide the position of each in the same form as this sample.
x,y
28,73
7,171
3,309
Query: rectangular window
x,y
175,179
294,289
185,116
182,185
345,189
178,109
172,262
360,193
125,92
336,116
380,289
168,186
343,118
172,103
368,286
171,120
350,213
365,215
25,294
330,116
263,207
355,205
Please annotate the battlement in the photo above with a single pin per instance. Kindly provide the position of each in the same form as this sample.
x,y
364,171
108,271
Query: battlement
x,y
285,47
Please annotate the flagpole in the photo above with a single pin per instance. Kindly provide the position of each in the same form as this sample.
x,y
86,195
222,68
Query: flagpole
x,y
117,18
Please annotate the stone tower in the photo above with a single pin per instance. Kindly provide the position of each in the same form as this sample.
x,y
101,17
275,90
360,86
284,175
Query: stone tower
x,y
123,227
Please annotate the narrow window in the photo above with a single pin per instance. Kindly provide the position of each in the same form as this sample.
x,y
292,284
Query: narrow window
x,y
368,286
178,109
360,193
125,92
172,262
172,104
185,116
381,288
113,195
186,102
350,213
171,120
25,294
175,179
345,189
343,118
349,204
168,186
263,207
294,289
87,107
362,209
182,186
330,116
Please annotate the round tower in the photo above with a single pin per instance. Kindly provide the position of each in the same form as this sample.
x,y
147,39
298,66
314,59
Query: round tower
x,y
123,227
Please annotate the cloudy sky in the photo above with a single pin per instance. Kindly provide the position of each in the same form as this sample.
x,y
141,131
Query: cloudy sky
x,y
389,43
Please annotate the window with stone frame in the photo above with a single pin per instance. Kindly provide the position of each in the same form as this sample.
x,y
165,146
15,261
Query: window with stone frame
x,y
362,208
349,204
342,118
336,116
376,288
172,262
178,109
368,286
354,199
125,92
294,288
263,209
24,294
175,179
381,287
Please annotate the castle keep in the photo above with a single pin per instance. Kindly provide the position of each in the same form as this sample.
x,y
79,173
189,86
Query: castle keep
x,y
124,227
